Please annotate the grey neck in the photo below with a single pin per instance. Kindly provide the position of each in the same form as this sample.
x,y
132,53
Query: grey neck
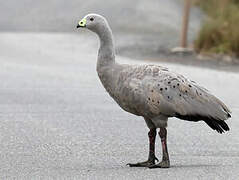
x,y
106,53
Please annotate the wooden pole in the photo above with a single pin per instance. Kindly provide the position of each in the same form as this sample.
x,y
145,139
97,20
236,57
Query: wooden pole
x,y
186,12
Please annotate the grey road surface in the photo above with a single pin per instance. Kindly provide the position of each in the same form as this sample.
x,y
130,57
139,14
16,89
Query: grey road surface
x,y
57,121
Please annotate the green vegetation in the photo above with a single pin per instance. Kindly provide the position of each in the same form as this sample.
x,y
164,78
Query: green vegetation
x,y
220,32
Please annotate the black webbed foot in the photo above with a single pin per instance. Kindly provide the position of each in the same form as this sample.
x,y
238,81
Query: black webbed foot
x,y
147,163
163,164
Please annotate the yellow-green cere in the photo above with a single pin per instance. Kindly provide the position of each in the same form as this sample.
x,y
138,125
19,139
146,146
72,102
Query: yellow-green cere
x,y
82,23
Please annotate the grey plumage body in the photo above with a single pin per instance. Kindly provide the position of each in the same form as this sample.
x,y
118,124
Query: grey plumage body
x,y
156,93
152,91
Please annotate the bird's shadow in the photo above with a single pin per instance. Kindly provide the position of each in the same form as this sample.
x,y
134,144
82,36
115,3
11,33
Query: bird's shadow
x,y
186,166
195,166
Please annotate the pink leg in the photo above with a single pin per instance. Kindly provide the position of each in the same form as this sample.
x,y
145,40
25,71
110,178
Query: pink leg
x,y
152,137
165,159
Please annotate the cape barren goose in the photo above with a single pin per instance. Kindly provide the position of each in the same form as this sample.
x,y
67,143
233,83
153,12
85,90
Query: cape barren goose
x,y
153,92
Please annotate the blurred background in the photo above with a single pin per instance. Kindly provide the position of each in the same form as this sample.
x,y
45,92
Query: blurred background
x,y
54,113
145,29
150,27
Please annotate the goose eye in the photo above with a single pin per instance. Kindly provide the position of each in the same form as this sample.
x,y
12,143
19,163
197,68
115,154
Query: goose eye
x,y
91,19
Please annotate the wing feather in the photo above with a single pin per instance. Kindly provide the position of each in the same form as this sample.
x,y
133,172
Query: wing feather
x,y
179,95
155,90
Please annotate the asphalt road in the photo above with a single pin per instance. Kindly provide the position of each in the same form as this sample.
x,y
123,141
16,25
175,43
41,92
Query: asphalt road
x,y
57,121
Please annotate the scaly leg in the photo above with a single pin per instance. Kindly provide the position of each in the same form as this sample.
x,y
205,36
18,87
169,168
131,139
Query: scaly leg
x,y
152,157
165,163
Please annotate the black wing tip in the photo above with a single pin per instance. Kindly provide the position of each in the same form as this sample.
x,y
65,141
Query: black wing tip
x,y
219,125
216,124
